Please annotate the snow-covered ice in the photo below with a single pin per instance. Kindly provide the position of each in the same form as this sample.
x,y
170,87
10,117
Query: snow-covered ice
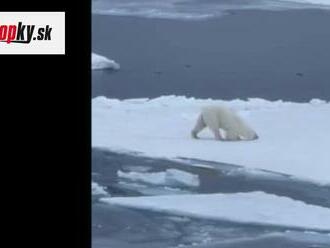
x,y
294,137
252,207
100,62
170,177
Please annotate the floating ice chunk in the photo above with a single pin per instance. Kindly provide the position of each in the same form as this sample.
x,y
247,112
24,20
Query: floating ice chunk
x,y
174,176
169,177
100,62
98,190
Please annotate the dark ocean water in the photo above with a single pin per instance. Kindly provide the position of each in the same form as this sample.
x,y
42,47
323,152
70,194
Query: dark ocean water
x,y
267,54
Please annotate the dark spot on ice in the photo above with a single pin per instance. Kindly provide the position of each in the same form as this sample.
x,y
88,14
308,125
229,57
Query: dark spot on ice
x,y
187,66
299,74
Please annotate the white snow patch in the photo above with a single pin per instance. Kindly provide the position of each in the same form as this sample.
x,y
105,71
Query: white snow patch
x,y
253,207
100,62
138,168
317,2
145,190
315,101
294,138
257,173
98,189
169,177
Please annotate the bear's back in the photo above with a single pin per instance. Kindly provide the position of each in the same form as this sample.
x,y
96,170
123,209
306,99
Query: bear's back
x,y
222,115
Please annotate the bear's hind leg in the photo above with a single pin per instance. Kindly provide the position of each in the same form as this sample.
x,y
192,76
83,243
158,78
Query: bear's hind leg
x,y
232,136
217,134
200,125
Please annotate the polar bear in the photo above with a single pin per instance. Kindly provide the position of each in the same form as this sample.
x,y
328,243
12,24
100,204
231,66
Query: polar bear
x,y
221,117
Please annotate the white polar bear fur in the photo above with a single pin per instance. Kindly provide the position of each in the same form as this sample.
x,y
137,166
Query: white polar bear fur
x,y
221,117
